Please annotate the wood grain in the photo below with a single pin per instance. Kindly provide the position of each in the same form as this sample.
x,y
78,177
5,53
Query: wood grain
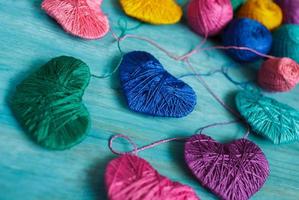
x,y
29,38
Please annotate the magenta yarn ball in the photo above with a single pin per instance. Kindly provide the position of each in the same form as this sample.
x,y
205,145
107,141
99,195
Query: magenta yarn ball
x,y
209,17
279,74
290,9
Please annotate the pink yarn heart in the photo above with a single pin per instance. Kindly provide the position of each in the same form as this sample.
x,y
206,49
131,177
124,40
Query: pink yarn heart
x,y
82,18
132,178
233,171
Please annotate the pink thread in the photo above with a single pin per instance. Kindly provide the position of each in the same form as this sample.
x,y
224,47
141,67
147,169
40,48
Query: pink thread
x,y
279,74
82,18
132,178
209,17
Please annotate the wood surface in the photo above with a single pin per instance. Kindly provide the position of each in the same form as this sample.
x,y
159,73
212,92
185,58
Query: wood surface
x,y
29,38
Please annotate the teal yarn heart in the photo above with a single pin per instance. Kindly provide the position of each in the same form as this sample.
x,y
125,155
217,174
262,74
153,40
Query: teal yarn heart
x,y
276,121
286,42
48,103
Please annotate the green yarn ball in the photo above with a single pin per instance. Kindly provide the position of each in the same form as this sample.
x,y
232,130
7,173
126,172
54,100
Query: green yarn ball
x,y
48,103
237,3
286,42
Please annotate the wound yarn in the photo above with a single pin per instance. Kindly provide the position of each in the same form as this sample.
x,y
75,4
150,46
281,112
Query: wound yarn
x,y
266,12
232,171
132,178
286,42
150,89
48,103
290,9
207,17
279,74
267,117
82,18
153,11
248,33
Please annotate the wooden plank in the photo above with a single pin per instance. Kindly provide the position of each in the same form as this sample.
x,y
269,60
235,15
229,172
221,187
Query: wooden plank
x,y
29,38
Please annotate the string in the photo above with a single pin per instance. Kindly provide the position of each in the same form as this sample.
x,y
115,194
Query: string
x,y
137,149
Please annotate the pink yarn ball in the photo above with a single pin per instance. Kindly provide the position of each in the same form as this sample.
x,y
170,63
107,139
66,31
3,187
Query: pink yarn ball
x,y
279,74
209,17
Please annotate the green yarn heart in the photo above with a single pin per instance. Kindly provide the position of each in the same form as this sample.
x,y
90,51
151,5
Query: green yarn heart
x,y
48,103
268,117
237,3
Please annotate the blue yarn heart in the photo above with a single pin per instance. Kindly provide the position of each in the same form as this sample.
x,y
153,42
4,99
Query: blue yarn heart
x,y
151,90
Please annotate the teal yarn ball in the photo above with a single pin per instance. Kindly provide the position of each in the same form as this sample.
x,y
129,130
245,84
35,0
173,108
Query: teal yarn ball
x,y
48,103
237,3
286,42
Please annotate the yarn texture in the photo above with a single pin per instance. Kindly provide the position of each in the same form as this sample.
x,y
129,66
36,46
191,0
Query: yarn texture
x,y
267,117
279,74
151,90
82,18
286,42
132,178
248,33
290,9
48,103
153,11
233,171
207,17
266,12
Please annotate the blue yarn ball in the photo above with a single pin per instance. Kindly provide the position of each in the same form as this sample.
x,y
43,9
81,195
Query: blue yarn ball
x,y
150,89
249,33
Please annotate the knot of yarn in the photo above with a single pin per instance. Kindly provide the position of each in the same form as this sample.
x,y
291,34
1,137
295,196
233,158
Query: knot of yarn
x,y
233,171
290,9
208,17
279,74
266,12
248,33
48,103
286,42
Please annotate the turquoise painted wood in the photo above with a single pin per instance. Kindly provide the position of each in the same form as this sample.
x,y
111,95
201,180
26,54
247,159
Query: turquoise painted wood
x,y
29,38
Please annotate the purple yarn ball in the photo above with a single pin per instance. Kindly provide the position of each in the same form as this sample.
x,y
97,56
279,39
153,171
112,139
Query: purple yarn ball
x,y
290,10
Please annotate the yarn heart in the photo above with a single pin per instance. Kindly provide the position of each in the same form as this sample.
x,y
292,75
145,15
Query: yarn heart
x,y
233,171
82,18
48,103
276,121
150,89
153,11
132,178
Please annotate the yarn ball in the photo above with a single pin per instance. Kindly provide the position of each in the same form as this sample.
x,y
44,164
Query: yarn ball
x,y
248,33
132,178
151,90
232,171
207,17
290,9
82,18
264,11
153,11
237,3
286,42
48,103
279,74
267,117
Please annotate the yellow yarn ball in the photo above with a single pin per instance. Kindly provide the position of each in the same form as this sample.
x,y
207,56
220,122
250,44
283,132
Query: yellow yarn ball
x,y
153,11
264,11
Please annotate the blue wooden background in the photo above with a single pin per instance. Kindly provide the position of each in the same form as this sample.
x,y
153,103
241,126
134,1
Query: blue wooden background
x,y
29,38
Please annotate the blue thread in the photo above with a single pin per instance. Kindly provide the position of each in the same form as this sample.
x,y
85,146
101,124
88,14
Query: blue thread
x,y
249,33
151,90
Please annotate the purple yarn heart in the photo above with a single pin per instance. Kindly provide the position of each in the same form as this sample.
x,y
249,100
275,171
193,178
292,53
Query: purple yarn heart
x,y
233,171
